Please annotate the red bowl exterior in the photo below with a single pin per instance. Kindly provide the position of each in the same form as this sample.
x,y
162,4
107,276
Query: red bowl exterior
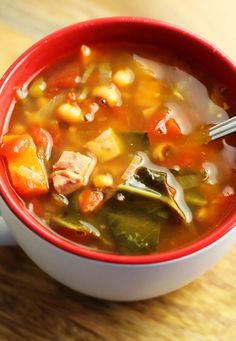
x,y
129,29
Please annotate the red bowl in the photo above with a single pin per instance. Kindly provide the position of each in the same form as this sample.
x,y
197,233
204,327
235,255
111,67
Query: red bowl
x,y
138,30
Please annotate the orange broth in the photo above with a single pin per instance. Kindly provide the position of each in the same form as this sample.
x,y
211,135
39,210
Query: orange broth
x,y
151,101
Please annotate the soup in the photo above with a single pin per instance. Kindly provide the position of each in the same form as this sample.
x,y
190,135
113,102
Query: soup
x,y
109,149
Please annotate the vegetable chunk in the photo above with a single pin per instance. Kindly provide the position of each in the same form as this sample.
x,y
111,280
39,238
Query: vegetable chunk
x,y
106,146
90,201
27,173
154,182
133,233
74,222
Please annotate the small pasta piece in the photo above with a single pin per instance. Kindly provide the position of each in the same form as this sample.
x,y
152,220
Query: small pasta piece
x,y
110,93
124,77
163,150
69,113
103,180
37,88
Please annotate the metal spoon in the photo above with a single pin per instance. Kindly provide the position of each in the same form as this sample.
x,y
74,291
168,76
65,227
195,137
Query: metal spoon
x,y
222,129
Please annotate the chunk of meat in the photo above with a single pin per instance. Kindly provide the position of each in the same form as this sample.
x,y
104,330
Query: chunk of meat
x,y
66,182
71,172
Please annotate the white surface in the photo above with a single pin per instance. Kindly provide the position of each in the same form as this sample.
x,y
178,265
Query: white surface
x,y
5,235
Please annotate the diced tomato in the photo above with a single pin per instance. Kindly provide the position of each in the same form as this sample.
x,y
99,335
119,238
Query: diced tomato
x,y
89,200
190,156
65,78
13,146
26,172
43,139
164,126
38,135
173,130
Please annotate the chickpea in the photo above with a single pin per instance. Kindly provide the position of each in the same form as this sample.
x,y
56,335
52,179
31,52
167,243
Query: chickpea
x,y
69,113
123,78
110,93
37,88
103,180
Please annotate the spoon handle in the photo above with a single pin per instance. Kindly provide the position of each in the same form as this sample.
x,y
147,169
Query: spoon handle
x,y
223,129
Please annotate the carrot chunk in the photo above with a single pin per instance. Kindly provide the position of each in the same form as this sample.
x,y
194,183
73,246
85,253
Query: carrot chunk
x,y
26,172
90,201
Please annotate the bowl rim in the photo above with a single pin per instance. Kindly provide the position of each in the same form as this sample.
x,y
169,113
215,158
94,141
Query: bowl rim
x,y
58,241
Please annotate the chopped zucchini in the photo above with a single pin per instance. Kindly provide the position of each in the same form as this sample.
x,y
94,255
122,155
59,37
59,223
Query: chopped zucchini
x,y
106,146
